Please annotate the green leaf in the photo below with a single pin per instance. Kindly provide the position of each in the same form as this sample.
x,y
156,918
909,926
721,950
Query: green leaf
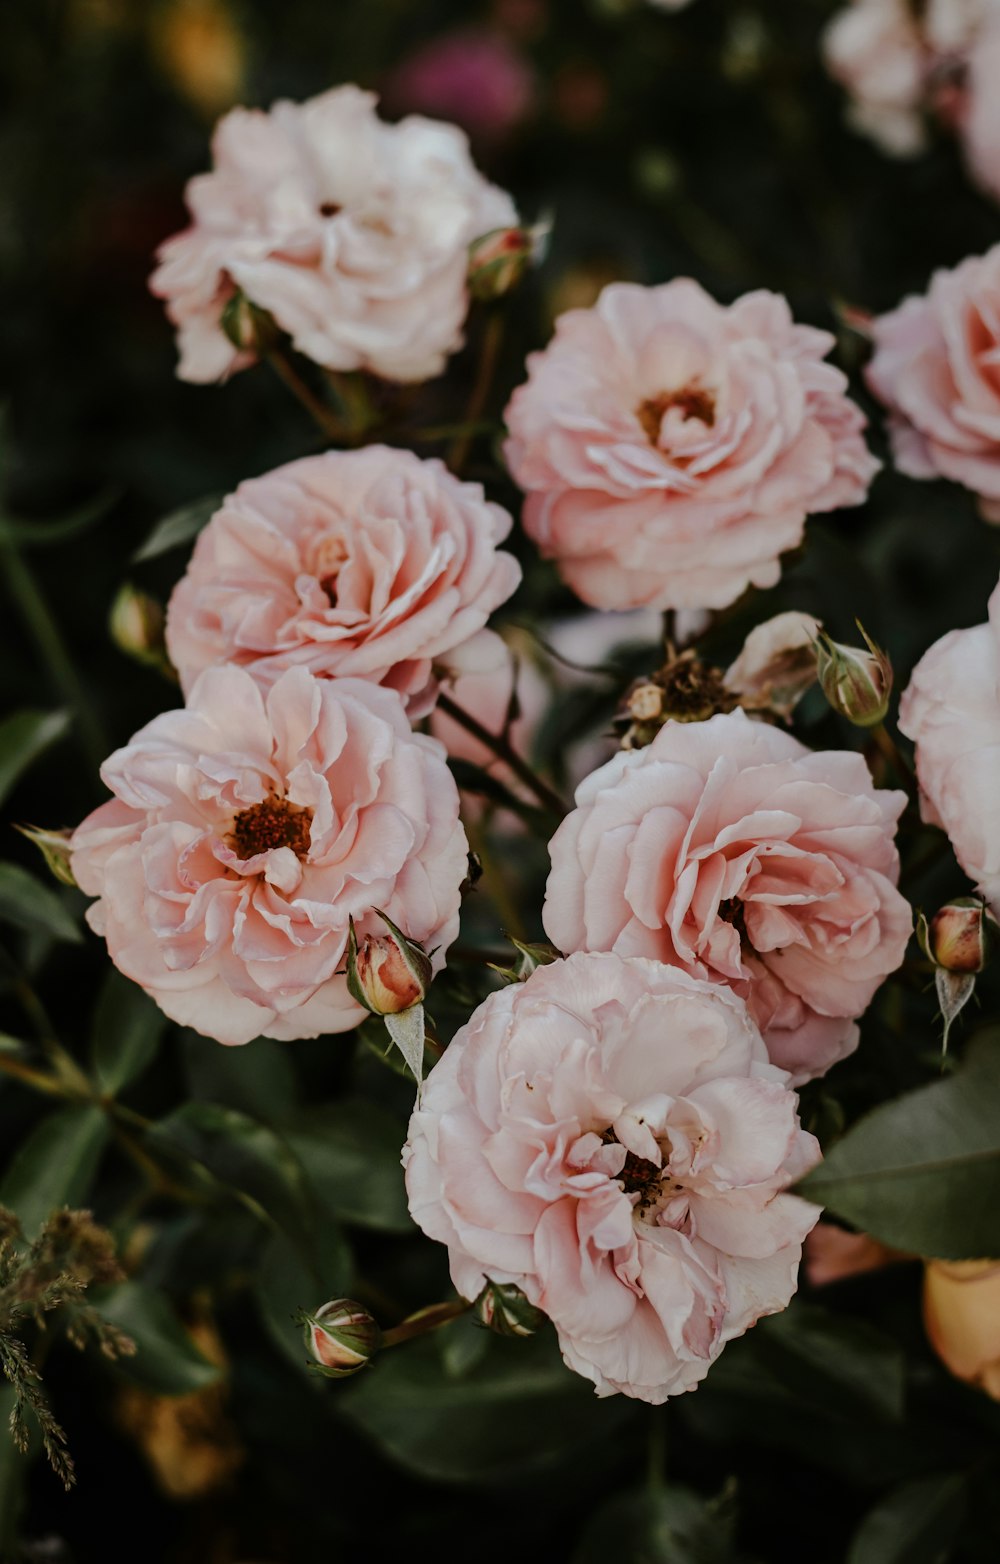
x,y
166,1360
126,1033
923,1173
29,904
14,1465
179,527
916,1524
55,1165
289,1280
258,1079
517,1410
39,534
667,1525
23,737
350,1152
244,1156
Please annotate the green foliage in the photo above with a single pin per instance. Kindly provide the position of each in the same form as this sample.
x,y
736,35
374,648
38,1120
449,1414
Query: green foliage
x,y
665,1524
26,903
166,1359
24,736
55,1165
915,1524
923,1173
180,527
127,1030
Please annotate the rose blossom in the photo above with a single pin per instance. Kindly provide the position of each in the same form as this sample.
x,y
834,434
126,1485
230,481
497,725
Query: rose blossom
x,y
777,664
352,233
671,448
368,563
727,848
951,710
244,833
610,1137
936,366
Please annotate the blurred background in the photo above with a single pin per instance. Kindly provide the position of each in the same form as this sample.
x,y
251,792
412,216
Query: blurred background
x,y
707,142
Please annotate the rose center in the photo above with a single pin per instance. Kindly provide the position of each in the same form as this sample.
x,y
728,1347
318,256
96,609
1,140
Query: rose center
x,y
328,208
272,823
327,564
693,401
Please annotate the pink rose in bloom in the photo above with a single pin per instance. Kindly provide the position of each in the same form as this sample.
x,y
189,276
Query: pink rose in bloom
x,y
351,232
671,448
244,832
729,849
936,367
610,1137
368,564
951,710
477,79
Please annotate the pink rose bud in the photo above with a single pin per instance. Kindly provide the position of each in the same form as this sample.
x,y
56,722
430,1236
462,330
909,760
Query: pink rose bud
x,y
962,1319
239,320
961,937
387,973
504,1308
856,682
136,625
341,1338
498,260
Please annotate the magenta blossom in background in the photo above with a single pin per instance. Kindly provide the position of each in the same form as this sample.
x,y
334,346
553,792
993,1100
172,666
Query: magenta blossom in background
x,y
369,564
244,833
729,849
477,79
936,367
951,710
671,448
352,233
610,1137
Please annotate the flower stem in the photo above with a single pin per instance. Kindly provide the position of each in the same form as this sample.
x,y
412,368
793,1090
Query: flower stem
x,y
502,748
489,357
425,1320
324,417
882,740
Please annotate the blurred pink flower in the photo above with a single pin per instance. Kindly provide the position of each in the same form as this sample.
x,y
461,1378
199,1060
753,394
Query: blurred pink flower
x,y
610,1137
370,563
244,832
951,710
476,78
351,232
833,1255
727,848
936,366
671,448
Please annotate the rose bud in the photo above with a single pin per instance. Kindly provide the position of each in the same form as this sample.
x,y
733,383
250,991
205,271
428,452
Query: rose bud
x,y
387,973
136,626
499,259
962,1319
341,1337
504,1308
54,847
857,683
961,937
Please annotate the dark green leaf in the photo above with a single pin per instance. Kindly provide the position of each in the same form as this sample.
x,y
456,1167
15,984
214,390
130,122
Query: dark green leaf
x,y
14,1464
54,1167
38,534
179,527
350,1152
923,1173
257,1079
126,1033
23,737
289,1280
668,1525
166,1359
916,1524
28,904
518,1409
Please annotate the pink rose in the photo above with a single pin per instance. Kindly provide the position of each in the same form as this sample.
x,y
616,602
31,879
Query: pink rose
x,y
671,448
351,232
610,1137
369,564
247,828
476,78
935,368
979,117
876,50
951,710
727,848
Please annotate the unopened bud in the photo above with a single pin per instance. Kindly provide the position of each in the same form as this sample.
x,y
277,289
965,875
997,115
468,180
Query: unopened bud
x,y
341,1338
856,682
239,322
499,259
961,937
505,1309
54,847
387,973
136,624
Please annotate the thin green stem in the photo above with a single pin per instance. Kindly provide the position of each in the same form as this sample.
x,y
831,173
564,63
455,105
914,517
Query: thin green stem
x,y
425,1320
489,357
324,417
502,748
44,631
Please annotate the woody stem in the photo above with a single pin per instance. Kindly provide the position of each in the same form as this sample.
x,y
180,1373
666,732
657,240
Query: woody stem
x,y
502,748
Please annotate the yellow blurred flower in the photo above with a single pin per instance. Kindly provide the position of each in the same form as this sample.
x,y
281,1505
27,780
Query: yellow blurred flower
x,y
962,1319
199,46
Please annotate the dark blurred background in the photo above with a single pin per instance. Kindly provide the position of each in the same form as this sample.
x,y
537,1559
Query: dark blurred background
x,y
707,142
